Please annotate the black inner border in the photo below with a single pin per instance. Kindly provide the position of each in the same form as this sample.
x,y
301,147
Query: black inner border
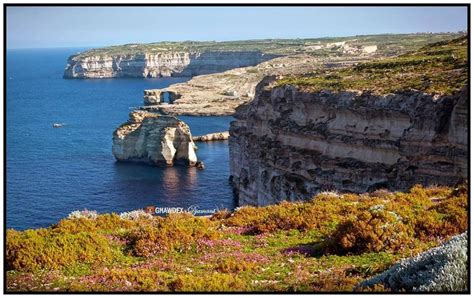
x,y
6,5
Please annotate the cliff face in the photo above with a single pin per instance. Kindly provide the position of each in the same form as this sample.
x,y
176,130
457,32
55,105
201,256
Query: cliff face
x,y
289,144
159,64
153,138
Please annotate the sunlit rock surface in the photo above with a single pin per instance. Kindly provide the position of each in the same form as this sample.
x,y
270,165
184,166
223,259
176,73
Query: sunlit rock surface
x,y
153,138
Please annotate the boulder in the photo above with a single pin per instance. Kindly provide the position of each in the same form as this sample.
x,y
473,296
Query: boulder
x,y
440,269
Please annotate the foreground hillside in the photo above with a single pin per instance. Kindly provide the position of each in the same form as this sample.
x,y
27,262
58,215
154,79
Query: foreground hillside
x,y
331,243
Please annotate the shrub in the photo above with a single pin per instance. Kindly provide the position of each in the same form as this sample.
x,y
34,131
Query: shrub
x,y
322,213
175,232
370,231
45,249
447,218
102,223
232,265
213,282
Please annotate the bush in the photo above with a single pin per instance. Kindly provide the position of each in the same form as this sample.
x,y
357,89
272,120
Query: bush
x,y
322,213
213,282
45,249
175,232
231,265
370,231
102,223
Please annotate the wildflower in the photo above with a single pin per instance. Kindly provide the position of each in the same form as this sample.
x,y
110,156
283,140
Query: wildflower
x,y
135,215
83,214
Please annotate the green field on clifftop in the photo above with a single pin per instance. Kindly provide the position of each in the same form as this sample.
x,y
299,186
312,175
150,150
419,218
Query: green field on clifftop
x,y
437,68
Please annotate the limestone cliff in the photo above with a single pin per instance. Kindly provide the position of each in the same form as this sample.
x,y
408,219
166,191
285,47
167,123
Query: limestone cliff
x,y
291,144
164,64
154,138
389,123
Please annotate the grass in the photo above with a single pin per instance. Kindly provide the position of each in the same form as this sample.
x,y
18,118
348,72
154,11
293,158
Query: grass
x,y
438,68
330,243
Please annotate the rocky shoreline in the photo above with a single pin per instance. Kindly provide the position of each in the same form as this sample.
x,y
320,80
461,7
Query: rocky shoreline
x,y
216,136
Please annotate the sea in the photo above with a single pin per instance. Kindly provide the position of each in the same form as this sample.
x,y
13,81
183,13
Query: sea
x,y
51,172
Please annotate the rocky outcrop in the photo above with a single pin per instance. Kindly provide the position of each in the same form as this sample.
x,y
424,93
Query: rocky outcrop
x,y
165,64
289,144
440,269
216,136
153,138
221,93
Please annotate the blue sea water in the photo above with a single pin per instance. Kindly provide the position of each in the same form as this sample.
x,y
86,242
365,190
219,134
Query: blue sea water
x,y
54,171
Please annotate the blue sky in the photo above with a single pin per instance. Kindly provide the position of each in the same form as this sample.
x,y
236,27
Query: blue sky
x,y
43,27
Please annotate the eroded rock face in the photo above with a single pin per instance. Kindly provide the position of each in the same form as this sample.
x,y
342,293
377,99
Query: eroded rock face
x,y
289,145
154,138
164,64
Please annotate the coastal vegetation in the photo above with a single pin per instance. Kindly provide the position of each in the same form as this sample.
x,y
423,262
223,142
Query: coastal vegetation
x,y
438,68
330,243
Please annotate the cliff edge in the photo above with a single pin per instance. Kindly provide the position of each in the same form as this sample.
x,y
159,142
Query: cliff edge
x,y
390,123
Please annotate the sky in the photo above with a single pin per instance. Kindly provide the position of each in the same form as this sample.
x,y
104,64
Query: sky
x,y
49,27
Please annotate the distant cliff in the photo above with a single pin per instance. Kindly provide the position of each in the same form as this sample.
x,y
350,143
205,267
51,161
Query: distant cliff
x,y
164,64
307,134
